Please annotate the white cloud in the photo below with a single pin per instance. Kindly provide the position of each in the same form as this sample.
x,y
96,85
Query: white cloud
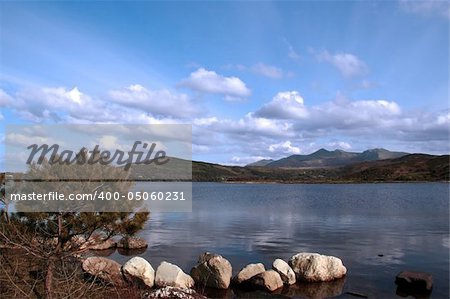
x,y
366,84
347,64
280,127
244,160
267,70
200,149
244,129
256,125
427,8
262,69
55,103
284,148
134,104
347,115
340,145
206,81
373,123
109,142
292,53
5,99
378,107
61,97
444,118
18,139
284,105
156,102
205,121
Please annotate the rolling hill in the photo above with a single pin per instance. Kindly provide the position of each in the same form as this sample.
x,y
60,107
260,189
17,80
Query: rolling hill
x,y
324,158
263,162
409,168
416,167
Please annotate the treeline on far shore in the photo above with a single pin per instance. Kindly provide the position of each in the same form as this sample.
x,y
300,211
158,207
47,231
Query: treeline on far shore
x,y
410,168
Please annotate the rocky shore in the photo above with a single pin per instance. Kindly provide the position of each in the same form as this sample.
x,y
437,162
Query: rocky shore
x,y
305,274
213,271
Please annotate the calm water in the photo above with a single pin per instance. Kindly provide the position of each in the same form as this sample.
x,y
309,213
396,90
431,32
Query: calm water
x,y
406,223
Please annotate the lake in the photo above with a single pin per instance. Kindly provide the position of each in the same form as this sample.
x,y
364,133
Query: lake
x,y
376,229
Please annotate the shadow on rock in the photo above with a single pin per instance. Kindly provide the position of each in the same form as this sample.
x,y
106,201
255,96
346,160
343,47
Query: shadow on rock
x,y
216,293
405,292
315,289
259,294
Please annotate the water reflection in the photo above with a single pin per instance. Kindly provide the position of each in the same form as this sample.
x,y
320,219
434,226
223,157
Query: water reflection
x,y
407,224
405,293
315,290
300,290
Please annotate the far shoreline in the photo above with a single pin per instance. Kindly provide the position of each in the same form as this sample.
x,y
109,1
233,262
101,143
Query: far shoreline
x,y
322,183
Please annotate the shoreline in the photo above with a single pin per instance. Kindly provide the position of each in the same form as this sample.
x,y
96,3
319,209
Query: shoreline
x,y
339,286
324,183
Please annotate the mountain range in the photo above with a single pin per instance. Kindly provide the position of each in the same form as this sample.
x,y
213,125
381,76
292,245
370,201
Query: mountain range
x,y
324,158
376,165
320,167
408,168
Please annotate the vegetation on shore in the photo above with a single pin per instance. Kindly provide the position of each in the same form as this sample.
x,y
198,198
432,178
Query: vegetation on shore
x,y
409,168
50,240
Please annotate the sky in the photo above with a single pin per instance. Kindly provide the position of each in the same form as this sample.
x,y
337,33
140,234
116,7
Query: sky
x,y
256,80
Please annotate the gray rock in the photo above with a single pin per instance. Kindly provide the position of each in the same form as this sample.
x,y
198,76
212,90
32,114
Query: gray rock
x,y
103,245
212,271
248,272
268,280
132,243
103,268
286,273
140,271
314,267
415,280
168,274
95,242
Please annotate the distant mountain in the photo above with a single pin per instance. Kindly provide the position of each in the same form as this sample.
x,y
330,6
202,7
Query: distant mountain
x,y
409,168
262,162
324,158
379,154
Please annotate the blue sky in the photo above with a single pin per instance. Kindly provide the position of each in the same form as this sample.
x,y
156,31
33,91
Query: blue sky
x,y
255,79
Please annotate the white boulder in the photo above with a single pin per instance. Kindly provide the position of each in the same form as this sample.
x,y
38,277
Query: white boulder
x,y
139,270
286,273
212,271
314,267
168,274
104,269
268,280
248,272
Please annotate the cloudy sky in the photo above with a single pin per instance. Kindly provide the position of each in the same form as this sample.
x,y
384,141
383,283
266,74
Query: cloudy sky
x,y
255,80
